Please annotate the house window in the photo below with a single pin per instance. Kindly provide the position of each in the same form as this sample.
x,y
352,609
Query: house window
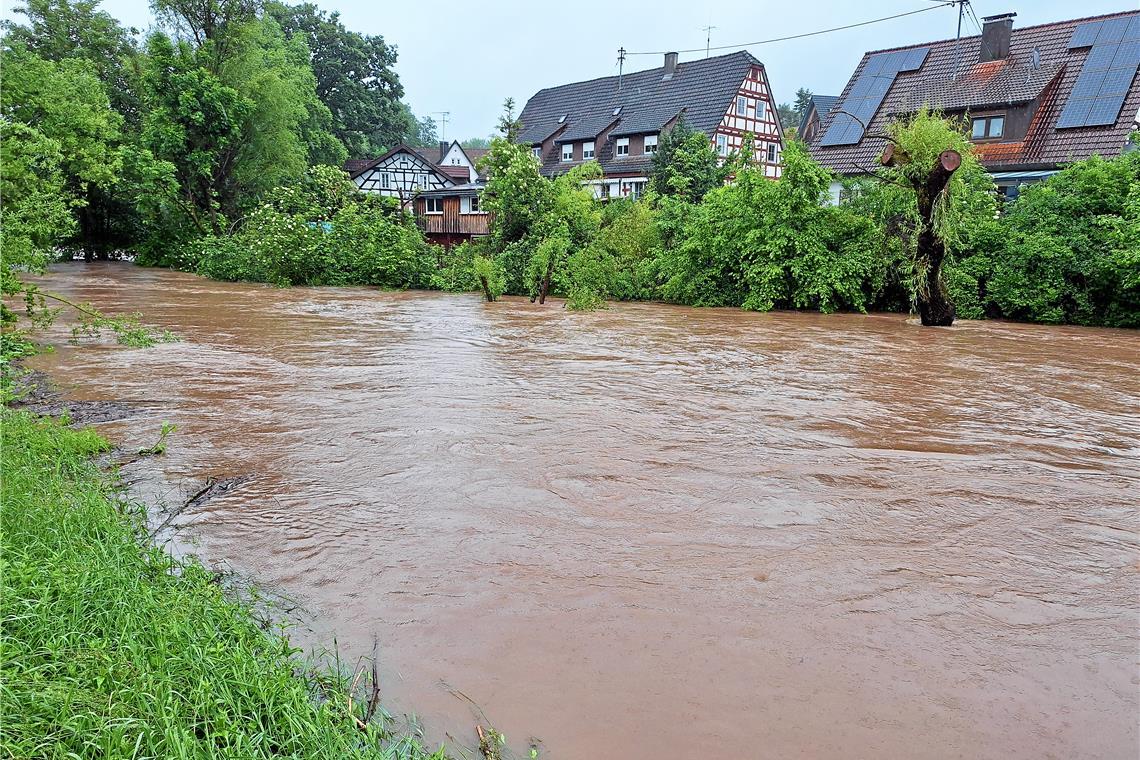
x,y
650,144
761,110
475,204
621,148
587,151
722,145
771,153
741,105
469,205
536,151
987,127
568,152
385,180
433,205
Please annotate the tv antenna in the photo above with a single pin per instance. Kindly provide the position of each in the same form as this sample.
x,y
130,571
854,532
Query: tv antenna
x,y
962,5
708,37
442,123
621,65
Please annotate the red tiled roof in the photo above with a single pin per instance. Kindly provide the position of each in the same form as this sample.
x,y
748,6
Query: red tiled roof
x,y
996,83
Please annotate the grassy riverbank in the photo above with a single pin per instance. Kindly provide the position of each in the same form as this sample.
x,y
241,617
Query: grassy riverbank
x,y
111,648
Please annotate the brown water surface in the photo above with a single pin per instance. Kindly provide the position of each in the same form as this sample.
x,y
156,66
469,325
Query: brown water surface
x,y
660,532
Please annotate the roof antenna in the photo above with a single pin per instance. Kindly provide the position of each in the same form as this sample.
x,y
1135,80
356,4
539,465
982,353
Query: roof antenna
x,y
621,62
958,40
708,38
442,122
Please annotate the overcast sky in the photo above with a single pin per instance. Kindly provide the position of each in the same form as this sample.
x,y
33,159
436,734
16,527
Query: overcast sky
x,y
466,57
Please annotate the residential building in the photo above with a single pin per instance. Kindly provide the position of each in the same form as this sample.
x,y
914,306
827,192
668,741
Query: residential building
x,y
1034,98
818,107
402,173
618,120
452,215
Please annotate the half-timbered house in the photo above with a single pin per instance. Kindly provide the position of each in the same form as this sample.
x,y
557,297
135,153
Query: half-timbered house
x,y
618,120
1032,99
402,173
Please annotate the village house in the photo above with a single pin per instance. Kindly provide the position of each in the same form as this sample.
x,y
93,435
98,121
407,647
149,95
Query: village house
x,y
404,171
618,120
452,215
818,107
1034,98
441,186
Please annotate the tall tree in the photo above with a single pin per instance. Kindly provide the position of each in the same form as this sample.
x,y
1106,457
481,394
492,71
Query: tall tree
x,y
65,29
356,78
685,164
802,104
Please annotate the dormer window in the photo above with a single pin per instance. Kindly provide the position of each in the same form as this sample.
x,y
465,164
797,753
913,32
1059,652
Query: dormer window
x,y
568,151
650,144
587,151
988,127
621,147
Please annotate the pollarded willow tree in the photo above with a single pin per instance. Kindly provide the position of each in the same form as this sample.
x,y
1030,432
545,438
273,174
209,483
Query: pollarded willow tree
x,y
929,156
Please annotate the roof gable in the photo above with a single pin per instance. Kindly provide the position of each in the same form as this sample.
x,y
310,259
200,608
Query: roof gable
x,y
1042,68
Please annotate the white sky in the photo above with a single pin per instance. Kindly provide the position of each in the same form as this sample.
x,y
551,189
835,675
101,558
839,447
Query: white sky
x,y
466,57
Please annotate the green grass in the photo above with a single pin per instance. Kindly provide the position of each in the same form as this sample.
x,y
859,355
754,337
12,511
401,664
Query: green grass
x,y
112,649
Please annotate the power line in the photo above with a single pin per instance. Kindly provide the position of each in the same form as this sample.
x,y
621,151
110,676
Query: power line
x,y
940,4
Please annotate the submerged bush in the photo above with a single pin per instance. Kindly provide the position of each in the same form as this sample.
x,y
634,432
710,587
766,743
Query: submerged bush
x,y
322,232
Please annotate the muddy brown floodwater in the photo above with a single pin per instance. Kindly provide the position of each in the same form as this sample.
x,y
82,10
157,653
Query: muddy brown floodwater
x,y
661,532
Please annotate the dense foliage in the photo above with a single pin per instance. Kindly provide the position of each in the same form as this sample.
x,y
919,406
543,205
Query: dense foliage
x,y
113,648
1065,251
181,135
319,232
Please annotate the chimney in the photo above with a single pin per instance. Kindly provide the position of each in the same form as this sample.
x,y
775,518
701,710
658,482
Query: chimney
x,y
670,65
996,32
443,146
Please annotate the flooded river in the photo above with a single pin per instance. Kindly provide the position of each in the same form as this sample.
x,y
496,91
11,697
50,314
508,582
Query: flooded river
x,y
661,532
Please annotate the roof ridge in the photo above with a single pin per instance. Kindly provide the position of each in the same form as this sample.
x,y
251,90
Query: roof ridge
x,y
743,51
1016,30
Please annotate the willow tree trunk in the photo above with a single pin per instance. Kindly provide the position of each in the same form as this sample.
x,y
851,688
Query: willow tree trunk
x,y
934,305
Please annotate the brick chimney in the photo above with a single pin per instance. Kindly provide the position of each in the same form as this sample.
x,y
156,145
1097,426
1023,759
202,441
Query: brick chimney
x,y
670,65
996,31
443,146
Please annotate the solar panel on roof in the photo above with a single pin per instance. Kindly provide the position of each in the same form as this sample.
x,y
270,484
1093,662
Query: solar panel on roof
x,y
1112,30
1133,31
867,93
1085,35
1117,81
1107,73
1127,55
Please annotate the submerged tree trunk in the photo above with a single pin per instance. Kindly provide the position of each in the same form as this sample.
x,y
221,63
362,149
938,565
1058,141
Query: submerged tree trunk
x,y
545,287
935,308
486,289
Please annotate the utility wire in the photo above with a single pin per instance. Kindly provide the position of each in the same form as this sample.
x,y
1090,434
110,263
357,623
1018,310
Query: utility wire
x,y
940,4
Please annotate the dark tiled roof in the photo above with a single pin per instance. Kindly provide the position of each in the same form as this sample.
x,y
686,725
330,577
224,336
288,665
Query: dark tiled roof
x,y
354,165
822,104
995,83
703,89
363,166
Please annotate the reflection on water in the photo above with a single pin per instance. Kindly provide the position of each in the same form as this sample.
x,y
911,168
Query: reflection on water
x,y
660,532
